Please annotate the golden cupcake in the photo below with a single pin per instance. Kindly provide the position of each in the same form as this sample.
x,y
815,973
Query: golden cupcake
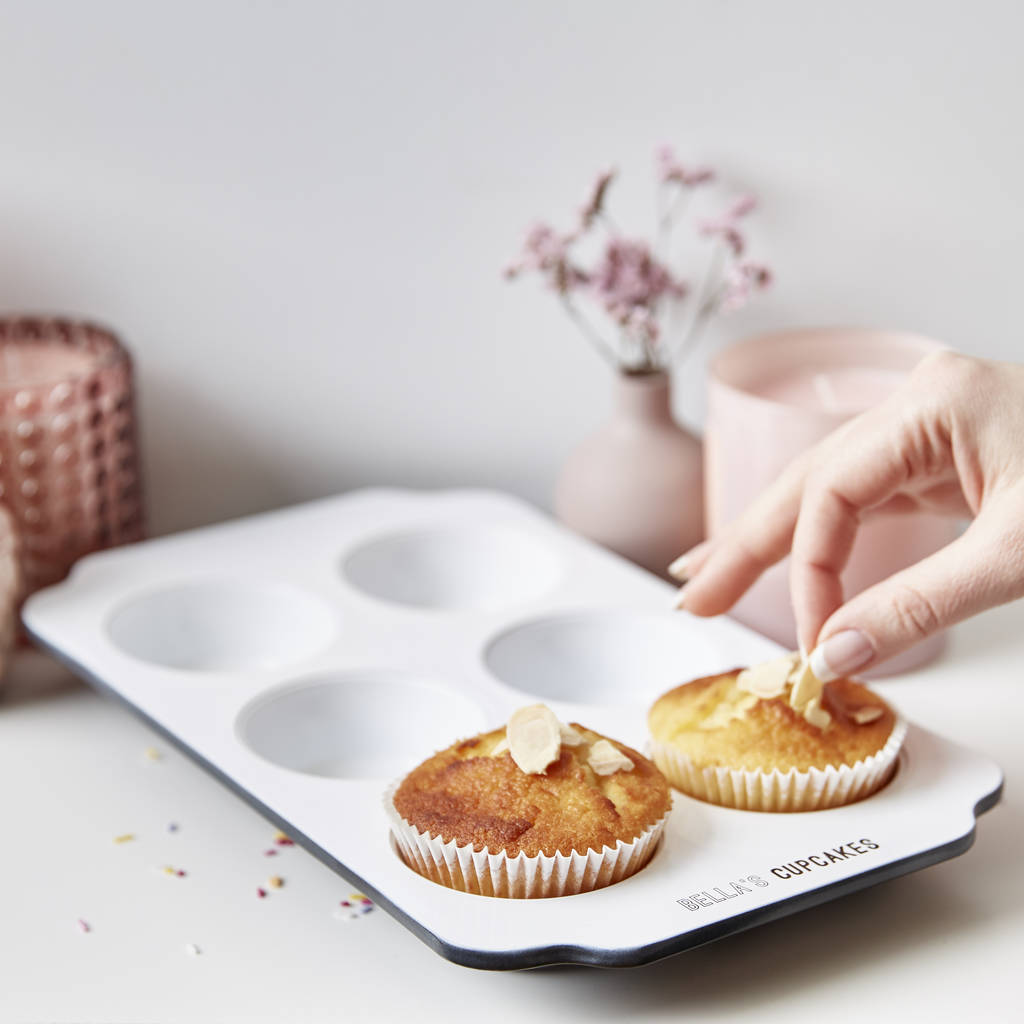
x,y
773,737
535,809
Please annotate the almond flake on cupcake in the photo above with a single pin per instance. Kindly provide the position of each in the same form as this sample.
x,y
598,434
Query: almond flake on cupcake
x,y
534,738
867,715
606,759
769,678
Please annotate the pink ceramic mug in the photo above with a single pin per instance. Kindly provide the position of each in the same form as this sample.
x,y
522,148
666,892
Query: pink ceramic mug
x,y
774,395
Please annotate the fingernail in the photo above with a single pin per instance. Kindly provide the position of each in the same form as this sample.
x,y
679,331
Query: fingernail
x,y
678,569
841,654
680,598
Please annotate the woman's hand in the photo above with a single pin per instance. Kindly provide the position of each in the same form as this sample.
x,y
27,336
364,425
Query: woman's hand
x,y
951,440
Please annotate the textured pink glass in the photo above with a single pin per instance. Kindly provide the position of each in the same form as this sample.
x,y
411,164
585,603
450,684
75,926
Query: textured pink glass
x,y
69,471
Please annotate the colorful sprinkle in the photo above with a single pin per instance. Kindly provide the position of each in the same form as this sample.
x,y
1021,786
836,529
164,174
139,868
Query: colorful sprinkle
x,y
347,912
177,872
282,840
261,893
173,827
270,853
276,882
126,838
152,754
84,926
357,905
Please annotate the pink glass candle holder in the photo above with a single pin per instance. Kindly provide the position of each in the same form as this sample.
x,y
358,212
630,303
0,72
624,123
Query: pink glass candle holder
x,y
69,472
774,395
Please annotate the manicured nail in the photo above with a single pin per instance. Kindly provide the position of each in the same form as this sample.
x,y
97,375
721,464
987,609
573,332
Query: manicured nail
x,y
841,654
680,598
679,569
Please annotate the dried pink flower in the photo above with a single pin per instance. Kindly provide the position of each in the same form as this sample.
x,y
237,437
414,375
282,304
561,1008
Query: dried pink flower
x,y
725,228
743,205
594,205
546,251
641,323
628,277
759,275
671,170
741,279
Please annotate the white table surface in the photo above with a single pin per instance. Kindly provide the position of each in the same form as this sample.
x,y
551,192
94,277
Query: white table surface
x,y
940,944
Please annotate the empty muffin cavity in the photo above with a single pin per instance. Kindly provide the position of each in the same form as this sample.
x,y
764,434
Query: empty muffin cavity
x,y
222,625
472,567
369,724
597,657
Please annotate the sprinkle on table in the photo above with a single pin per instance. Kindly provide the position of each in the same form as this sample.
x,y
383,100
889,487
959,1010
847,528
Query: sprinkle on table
x,y
176,872
127,837
282,840
192,949
261,893
276,882
173,826
152,754
270,853
356,906
84,926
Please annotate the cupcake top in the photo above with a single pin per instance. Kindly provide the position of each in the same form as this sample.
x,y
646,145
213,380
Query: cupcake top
x,y
773,716
536,787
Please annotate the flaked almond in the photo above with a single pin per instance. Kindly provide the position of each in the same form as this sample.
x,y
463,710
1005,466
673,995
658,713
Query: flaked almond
x,y
816,715
862,716
768,679
570,737
729,712
534,738
606,759
806,687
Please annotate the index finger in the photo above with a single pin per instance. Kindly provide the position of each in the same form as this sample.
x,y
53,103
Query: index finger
x,y
759,538
867,470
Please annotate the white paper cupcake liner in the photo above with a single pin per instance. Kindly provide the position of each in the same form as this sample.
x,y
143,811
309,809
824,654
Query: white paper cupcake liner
x,y
812,790
520,877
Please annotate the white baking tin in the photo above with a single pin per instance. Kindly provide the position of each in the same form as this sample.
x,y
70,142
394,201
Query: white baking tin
x,y
309,657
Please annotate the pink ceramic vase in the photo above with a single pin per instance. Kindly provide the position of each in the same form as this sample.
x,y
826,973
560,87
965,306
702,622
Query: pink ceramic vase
x,y
635,485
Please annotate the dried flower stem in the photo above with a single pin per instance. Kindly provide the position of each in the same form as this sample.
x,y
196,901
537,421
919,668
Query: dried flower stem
x,y
593,336
670,214
708,296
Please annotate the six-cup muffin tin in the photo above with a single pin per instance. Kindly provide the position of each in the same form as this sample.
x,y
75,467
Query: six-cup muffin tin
x,y
310,656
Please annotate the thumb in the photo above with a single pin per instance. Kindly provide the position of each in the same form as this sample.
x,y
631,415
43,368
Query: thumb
x,y
982,568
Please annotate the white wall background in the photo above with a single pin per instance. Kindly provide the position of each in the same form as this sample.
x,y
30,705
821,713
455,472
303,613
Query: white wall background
x,y
296,213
